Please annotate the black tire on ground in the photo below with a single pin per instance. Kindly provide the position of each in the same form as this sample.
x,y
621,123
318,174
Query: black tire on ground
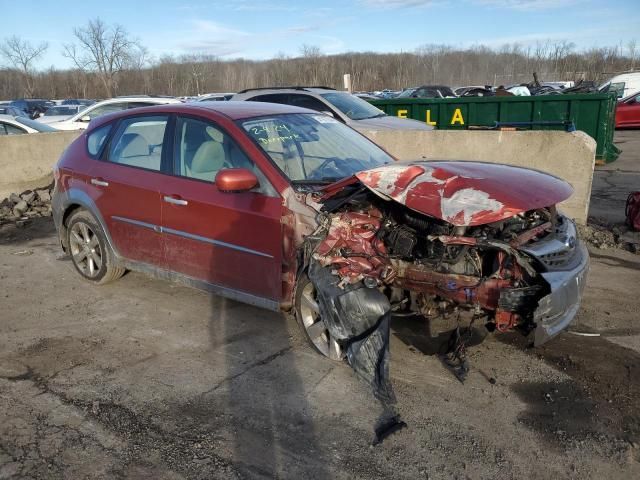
x,y
89,249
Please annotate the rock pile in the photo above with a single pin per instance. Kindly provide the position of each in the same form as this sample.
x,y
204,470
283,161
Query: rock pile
x,y
19,208
604,236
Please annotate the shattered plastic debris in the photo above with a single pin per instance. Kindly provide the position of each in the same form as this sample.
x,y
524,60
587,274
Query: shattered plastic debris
x,y
359,318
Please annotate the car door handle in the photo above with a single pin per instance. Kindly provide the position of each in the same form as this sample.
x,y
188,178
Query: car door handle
x,y
175,200
99,182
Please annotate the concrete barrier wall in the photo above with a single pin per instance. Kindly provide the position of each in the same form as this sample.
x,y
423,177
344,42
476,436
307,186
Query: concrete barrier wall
x,y
570,156
26,161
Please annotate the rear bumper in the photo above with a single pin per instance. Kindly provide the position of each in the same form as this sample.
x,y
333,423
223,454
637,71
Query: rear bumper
x,y
557,310
57,207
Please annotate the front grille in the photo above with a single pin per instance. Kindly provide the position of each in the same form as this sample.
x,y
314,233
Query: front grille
x,y
557,250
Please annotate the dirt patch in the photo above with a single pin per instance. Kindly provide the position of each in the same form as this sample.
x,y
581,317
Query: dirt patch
x,y
601,402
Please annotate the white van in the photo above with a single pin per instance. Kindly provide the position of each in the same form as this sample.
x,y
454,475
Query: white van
x,y
624,85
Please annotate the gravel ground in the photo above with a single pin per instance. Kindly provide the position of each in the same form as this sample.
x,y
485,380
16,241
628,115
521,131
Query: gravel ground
x,y
147,379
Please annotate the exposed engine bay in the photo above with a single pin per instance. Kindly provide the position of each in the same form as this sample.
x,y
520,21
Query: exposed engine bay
x,y
429,266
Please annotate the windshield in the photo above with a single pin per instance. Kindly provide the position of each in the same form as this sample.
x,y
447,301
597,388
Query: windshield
x,y
40,127
407,93
353,107
314,148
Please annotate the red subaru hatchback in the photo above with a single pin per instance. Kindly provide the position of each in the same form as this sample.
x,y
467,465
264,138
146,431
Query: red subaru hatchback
x,y
287,208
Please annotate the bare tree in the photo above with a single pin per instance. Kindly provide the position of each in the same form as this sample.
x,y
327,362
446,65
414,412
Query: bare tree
x,y
631,49
105,50
21,55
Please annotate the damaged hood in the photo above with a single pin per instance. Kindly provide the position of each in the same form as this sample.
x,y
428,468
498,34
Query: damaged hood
x,y
464,193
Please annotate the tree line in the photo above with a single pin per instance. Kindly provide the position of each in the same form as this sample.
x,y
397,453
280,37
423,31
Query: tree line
x,y
108,61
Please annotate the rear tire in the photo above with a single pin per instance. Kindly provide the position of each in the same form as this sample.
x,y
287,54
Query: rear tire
x,y
307,313
89,249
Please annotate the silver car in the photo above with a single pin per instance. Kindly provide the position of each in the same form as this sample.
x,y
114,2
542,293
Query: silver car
x,y
343,106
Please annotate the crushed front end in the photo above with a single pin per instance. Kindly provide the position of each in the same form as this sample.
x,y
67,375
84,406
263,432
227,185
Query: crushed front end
x,y
442,240
438,237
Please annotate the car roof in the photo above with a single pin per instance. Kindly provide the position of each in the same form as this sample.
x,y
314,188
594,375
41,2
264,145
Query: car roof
x,y
154,100
289,89
232,109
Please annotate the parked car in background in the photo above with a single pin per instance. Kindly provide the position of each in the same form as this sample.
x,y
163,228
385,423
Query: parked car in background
x,y
628,111
77,101
8,109
286,208
19,125
342,106
623,85
32,107
58,113
214,97
428,91
80,120
475,91
386,93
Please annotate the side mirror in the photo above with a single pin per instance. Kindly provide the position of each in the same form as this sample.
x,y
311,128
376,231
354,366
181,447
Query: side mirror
x,y
327,112
85,119
236,180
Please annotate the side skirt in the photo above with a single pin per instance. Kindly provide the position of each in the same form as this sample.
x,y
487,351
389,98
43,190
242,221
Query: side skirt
x,y
188,281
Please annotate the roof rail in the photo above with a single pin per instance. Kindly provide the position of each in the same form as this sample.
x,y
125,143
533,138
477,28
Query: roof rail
x,y
296,87
144,96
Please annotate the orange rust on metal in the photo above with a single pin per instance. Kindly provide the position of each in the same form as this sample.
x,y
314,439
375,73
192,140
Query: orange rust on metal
x,y
529,235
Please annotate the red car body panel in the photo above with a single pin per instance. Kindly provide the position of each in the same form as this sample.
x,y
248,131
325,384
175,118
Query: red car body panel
x,y
466,193
131,196
247,241
249,221
628,112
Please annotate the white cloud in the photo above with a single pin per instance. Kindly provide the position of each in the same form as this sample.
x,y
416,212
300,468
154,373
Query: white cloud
x,y
214,38
391,4
528,5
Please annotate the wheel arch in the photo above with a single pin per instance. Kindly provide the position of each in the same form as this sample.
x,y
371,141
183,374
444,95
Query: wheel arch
x,y
73,201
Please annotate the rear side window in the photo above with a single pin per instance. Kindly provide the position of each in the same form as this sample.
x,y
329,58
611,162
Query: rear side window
x,y
138,142
96,140
272,98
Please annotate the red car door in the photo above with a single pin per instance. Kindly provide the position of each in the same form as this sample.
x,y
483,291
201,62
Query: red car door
x,y
125,187
231,240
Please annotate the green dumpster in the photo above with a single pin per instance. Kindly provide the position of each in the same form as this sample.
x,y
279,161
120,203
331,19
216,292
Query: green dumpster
x,y
593,114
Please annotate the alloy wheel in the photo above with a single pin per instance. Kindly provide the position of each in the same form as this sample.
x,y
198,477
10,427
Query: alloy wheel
x,y
315,326
85,249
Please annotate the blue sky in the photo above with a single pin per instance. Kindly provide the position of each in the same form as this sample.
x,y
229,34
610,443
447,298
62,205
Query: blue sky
x,y
261,29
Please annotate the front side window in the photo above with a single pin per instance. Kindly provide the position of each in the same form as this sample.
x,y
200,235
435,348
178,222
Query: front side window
x,y
138,142
353,107
201,150
314,148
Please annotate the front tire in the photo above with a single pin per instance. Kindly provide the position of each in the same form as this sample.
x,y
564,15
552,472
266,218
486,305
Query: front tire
x,y
308,316
89,250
